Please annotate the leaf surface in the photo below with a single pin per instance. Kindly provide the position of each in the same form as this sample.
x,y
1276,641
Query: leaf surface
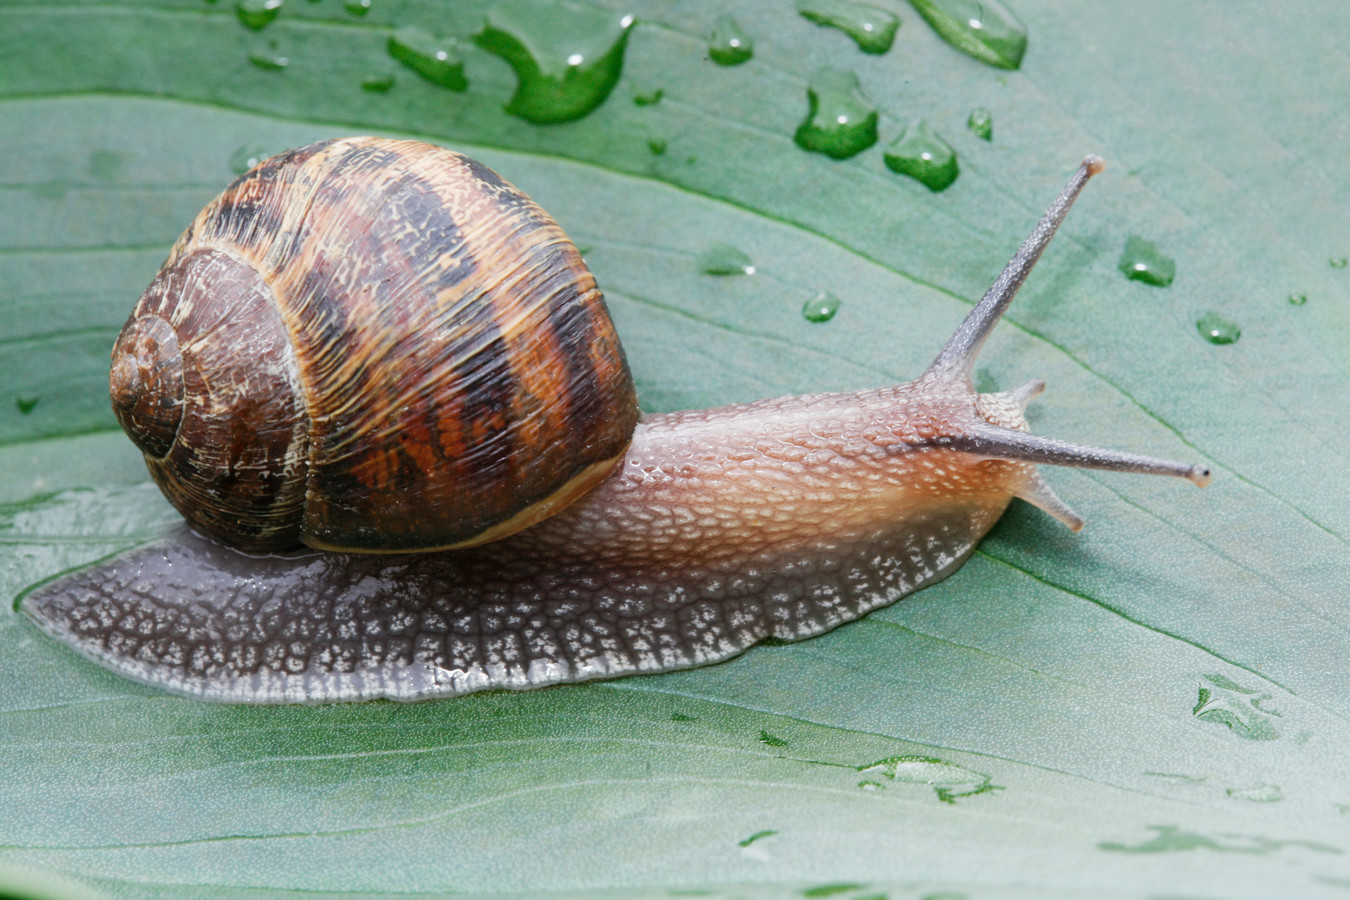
x,y
1158,704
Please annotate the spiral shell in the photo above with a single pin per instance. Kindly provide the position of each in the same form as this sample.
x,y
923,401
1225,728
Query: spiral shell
x,y
372,345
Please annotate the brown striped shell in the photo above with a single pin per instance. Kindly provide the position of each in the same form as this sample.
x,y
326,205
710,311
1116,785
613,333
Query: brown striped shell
x,y
372,345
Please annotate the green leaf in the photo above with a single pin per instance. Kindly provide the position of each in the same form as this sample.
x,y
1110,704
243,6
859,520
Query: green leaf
x,y
1158,705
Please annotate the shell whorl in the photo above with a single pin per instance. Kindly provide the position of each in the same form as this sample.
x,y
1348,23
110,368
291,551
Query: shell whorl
x,y
146,384
454,370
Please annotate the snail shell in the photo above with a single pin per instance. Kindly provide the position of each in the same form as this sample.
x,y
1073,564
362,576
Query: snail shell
x,y
372,345
719,528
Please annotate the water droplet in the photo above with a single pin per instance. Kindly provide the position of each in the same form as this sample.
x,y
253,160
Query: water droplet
x,y
758,835
648,98
246,157
257,14
922,155
728,44
357,7
1338,262
724,259
1259,793
985,29
378,83
1298,299
770,740
1143,261
435,59
832,890
981,123
271,62
1217,329
656,145
566,59
1225,702
873,29
1170,838
821,307
950,781
26,402
841,121
1178,778
921,770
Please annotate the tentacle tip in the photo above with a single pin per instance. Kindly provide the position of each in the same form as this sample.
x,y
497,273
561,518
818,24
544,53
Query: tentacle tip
x,y
1033,388
1039,494
1200,475
1094,164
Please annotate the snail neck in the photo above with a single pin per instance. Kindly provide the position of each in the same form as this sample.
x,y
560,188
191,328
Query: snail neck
x,y
768,479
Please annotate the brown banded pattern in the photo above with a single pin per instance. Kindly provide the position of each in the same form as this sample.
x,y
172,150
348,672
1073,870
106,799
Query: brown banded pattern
x,y
456,366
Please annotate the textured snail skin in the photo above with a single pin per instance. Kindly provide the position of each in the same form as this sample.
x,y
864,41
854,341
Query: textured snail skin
x,y
718,528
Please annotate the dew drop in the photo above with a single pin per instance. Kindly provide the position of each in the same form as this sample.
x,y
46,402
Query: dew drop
x,y
841,121
1259,793
648,98
1170,839
378,83
26,402
247,156
1143,261
872,28
1217,329
656,145
357,7
771,740
1298,299
985,29
257,14
566,59
922,155
832,890
981,123
821,307
949,781
1338,262
724,259
728,43
921,770
435,59
269,61
1242,710
757,836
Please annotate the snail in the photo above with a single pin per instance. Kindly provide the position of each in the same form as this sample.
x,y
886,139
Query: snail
x,y
375,347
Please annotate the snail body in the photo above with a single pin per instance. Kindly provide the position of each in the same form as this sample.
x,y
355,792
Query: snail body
x,y
682,541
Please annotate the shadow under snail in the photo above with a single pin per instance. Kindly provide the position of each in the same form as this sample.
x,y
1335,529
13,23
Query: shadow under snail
x,y
377,347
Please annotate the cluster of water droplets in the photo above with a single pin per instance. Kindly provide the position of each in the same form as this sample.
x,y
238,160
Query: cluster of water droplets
x,y
567,61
